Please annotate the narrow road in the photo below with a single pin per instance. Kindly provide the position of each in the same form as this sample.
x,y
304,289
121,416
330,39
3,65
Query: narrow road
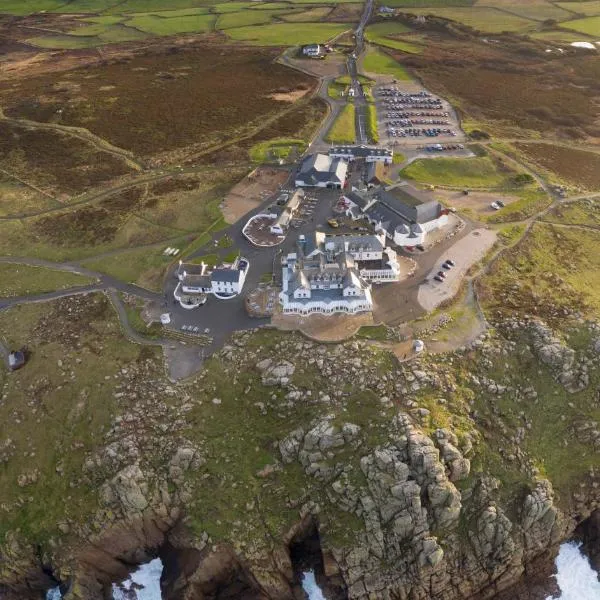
x,y
361,112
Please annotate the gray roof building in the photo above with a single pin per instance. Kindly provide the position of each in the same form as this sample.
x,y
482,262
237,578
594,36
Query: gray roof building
x,y
362,152
321,170
225,275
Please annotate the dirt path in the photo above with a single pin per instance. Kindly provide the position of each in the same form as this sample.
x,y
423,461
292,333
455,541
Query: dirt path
x,y
80,133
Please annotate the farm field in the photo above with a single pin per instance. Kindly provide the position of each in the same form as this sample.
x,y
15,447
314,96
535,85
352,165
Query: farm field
x,y
386,34
379,63
484,19
478,172
287,34
343,129
21,280
569,165
311,15
589,25
161,102
590,8
538,11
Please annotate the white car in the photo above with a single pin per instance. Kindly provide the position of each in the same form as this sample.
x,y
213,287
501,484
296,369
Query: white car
x,y
495,206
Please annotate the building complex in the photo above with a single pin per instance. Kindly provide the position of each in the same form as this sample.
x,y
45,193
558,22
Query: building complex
x,y
401,212
334,273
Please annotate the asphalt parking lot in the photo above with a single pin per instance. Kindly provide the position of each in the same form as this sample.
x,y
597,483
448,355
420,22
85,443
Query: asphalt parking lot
x,y
408,114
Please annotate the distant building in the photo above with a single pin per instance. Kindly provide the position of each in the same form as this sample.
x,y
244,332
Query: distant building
x,y
283,220
320,170
313,50
197,280
368,153
404,214
333,273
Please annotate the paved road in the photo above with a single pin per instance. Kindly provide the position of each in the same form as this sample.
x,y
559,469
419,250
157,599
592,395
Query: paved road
x,y
360,103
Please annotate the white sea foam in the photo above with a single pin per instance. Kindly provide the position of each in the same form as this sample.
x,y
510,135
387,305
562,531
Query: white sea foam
x,y
575,577
309,585
147,577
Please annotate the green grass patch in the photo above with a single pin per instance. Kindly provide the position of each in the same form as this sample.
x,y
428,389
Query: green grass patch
x,y
589,25
398,158
380,63
343,129
287,34
171,26
307,16
21,280
580,212
230,20
531,201
484,19
372,131
385,34
590,8
286,149
478,172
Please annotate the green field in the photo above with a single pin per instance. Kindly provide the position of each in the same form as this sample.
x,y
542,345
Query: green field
x,y
428,3
343,129
589,25
384,34
307,16
288,34
244,18
590,8
274,150
381,64
173,25
480,172
21,280
485,19
372,131
538,11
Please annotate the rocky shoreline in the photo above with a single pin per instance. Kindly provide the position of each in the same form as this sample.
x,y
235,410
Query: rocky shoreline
x,y
417,481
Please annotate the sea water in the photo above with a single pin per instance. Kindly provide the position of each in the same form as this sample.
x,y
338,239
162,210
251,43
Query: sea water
x,y
309,585
575,576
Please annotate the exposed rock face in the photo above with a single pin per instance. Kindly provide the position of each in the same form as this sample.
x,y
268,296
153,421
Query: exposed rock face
x,y
552,351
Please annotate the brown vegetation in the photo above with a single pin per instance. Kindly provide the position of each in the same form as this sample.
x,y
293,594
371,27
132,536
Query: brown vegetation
x,y
515,85
164,100
54,161
576,167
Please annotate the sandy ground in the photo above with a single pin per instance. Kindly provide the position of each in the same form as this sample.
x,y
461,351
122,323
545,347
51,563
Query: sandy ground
x,y
289,96
249,193
465,253
478,202
324,328
332,66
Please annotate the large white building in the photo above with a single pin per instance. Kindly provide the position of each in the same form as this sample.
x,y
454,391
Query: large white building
x,y
196,281
401,212
283,220
333,273
367,153
321,170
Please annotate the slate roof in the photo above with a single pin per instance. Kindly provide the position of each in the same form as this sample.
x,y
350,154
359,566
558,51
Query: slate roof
x,y
320,168
224,275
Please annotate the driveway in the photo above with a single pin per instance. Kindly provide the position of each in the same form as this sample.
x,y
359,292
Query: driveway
x,y
467,251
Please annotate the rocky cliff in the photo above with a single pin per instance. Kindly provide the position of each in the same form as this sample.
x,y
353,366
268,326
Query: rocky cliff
x,y
446,478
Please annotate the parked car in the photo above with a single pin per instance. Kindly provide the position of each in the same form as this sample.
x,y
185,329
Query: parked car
x,y
495,206
500,203
333,223
243,264
450,262
441,274
438,278
446,266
